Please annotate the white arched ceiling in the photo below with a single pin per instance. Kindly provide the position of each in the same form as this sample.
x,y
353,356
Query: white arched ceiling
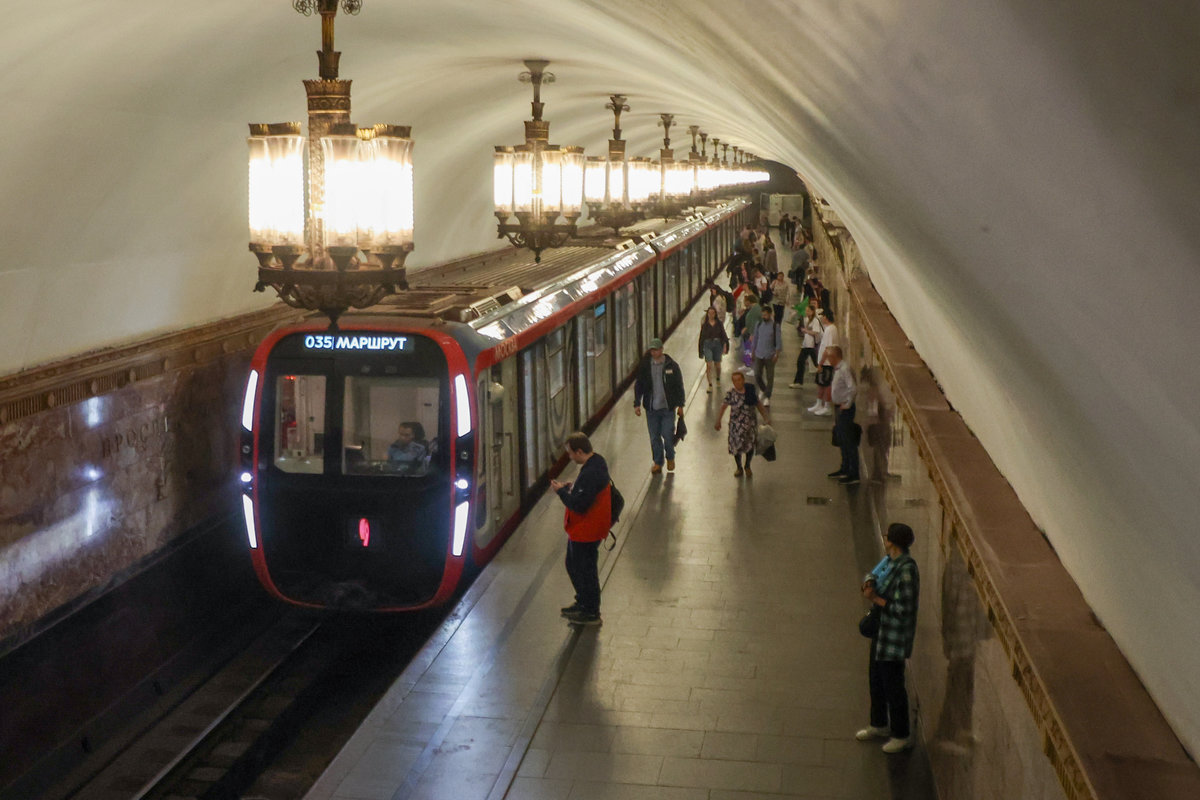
x,y
1022,177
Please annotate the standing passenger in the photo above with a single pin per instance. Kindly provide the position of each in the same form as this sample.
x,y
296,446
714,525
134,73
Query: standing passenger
x,y
714,343
779,295
741,401
897,593
587,521
829,338
810,329
843,391
767,341
660,384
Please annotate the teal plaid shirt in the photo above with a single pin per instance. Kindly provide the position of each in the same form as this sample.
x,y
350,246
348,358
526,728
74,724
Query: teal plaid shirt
x,y
898,622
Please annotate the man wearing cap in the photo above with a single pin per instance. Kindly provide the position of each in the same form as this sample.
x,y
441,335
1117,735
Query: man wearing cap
x,y
659,383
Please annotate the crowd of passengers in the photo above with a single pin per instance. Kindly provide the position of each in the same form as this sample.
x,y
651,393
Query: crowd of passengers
x,y
761,300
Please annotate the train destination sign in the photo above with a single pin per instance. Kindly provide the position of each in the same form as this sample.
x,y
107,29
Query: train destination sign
x,y
358,341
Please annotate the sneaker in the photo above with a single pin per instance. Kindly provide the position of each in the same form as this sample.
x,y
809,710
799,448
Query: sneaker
x,y
583,618
895,745
655,469
814,407
836,474
795,385
740,472
670,465
871,732
749,472
824,412
847,480
571,609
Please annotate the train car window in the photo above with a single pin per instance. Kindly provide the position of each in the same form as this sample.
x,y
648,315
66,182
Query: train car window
x,y
391,425
556,368
300,423
600,329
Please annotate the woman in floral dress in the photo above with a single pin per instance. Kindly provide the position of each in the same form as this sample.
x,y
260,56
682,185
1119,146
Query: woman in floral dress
x,y
741,401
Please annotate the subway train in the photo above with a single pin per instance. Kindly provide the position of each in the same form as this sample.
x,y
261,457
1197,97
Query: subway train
x,y
386,457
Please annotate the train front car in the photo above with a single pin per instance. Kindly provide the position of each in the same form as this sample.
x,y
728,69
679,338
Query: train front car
x,y
357,451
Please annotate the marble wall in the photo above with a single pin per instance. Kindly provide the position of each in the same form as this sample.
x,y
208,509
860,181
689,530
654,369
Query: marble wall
x,y
982,740
90,490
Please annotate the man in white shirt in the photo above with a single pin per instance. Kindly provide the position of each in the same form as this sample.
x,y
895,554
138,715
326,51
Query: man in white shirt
x,y
842,392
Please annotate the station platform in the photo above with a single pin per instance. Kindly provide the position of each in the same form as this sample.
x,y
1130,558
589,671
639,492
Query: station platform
x,y
728,665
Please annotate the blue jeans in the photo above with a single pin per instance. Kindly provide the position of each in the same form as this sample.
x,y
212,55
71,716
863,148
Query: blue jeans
x,y
661,423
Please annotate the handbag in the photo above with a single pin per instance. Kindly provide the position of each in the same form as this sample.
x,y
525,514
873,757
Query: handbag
x,y
680,429
868,626
769,453
825,376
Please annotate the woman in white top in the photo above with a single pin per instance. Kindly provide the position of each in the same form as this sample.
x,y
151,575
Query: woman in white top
x,y
829,338
810,328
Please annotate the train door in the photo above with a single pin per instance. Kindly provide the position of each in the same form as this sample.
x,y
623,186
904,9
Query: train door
x,y
548,391
645,290
497,495
660,298
626,321
599,358
623,324
689,273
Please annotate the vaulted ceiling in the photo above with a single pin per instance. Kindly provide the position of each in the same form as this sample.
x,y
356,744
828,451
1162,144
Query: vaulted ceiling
x,y
1021,176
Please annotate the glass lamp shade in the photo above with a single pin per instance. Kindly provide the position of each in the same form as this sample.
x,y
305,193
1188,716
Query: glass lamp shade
x,y
502,180
522,181
276,202
640,180
572,181
678,179
345,187
617,183
551,182
389,171
593,181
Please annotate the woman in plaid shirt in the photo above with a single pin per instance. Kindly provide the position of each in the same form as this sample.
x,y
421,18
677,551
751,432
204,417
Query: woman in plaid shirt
x,y
897,593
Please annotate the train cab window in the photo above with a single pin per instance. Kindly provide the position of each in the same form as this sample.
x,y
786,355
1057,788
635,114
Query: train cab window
x,y
300,423
391,426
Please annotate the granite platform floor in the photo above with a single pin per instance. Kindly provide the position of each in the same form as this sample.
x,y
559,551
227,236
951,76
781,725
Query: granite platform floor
x,y
728,666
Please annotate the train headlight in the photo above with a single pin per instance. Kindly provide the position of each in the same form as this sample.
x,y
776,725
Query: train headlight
x,y
248,403
462,513
461,483
463,403
246,477
248,513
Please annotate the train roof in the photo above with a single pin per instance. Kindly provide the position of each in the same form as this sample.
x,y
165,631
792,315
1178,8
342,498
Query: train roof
x,y
487,298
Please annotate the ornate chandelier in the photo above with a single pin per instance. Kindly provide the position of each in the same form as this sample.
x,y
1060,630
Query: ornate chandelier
x,y
538,182
343,242
606,184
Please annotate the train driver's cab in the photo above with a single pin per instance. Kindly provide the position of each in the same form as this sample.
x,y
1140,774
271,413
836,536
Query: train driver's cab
x,y
354,471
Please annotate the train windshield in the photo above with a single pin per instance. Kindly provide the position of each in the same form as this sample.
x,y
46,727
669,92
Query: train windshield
x,y
300,423
390,425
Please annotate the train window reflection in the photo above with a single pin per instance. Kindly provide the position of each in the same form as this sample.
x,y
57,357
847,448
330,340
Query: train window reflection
x,y
300,423
391,426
